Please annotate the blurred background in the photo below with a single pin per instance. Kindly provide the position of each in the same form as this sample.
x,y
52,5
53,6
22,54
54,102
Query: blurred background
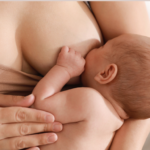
x,y
147,143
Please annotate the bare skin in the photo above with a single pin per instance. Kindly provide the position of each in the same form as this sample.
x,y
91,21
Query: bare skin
x,y
31,32
84,113
100,72
23,37
35,36
17,121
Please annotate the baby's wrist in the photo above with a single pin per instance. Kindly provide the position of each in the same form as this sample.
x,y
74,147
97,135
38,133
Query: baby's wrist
x,y
65,70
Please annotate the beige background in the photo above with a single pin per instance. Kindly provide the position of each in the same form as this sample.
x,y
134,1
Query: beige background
x,y
147,144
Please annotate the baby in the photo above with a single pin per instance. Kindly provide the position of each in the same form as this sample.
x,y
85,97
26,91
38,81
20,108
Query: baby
x,y
119,71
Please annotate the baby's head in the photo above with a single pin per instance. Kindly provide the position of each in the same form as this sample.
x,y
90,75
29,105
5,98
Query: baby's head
x,y
120,71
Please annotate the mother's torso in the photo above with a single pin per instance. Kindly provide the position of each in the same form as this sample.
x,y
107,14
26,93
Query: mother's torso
x,y
34,32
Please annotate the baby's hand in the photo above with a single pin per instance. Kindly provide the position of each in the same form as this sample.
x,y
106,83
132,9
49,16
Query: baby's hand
x,y
72,61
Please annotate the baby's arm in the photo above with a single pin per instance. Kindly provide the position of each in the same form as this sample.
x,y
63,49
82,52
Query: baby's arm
x,y
82,104
69,64
71,105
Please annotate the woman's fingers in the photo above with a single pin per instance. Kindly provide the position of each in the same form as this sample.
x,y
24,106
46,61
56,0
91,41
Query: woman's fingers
x,y
19,114
11,100
18,143
21,129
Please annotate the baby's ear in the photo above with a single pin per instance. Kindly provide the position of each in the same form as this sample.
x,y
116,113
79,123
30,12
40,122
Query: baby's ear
x,y
107,75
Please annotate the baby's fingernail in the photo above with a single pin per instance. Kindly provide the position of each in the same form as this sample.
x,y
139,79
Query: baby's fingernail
x,y
66,48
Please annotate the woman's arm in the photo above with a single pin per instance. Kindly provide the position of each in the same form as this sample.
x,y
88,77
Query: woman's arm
x,y
116,18
131,135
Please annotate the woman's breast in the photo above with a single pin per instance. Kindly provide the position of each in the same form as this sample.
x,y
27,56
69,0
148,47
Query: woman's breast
x,y
47,26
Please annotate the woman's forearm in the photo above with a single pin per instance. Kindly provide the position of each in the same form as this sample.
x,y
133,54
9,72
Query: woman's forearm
x,y
132,135
119,17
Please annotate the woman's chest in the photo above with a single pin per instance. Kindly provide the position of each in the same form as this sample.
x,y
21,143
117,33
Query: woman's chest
x,y
47,26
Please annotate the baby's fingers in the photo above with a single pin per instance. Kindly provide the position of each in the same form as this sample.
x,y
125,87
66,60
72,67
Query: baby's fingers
x,y
65,49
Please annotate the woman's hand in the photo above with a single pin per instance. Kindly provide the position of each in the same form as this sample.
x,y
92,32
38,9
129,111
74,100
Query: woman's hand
x,y
17,123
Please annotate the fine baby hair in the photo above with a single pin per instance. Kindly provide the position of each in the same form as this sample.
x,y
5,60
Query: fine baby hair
x,y
131,86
